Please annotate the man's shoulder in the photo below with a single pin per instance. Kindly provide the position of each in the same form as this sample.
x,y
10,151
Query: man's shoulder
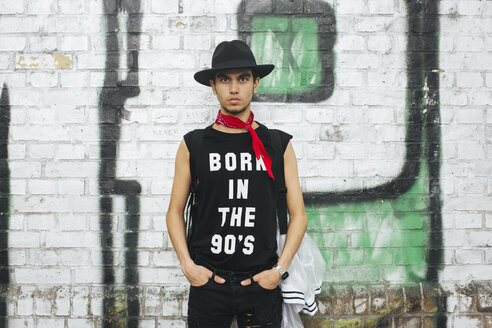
x,y
193,135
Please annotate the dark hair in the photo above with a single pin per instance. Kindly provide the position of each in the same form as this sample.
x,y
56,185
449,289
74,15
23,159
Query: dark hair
x,y
253,72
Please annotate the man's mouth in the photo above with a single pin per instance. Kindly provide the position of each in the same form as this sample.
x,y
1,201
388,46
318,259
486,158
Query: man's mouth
x,y
234,100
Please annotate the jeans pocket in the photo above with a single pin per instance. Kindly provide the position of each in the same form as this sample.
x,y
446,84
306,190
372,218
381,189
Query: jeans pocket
x,y
258,284
205,284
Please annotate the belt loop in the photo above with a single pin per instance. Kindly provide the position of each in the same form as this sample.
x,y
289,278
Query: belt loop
x,y
213,275
251,278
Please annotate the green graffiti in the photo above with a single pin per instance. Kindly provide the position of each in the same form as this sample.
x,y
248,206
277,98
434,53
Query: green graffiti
x,y
377,240
291,44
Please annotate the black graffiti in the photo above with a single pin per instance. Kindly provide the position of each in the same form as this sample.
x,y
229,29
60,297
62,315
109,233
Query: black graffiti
x,y
325,19
4,203
112,99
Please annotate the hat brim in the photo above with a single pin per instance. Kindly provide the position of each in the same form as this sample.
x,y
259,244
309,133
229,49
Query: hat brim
x,y
204,76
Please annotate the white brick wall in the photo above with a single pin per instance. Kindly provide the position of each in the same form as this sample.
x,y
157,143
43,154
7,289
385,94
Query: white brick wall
x,y
52,58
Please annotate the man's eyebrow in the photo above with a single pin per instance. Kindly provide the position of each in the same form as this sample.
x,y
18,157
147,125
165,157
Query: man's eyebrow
x,y
222,75
247,74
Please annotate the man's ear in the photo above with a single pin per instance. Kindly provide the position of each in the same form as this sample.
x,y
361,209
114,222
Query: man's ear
x,y
256,84
212,85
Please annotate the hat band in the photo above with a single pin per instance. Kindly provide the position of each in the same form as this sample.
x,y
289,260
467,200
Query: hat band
x,y
234,64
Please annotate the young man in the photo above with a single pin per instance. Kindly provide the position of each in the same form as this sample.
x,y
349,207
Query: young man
x,y
231,260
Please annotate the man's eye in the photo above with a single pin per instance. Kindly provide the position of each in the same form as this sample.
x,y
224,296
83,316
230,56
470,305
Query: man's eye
x,y
243,79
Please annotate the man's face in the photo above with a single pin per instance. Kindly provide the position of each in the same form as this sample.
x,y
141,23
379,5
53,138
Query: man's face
x,y
234,89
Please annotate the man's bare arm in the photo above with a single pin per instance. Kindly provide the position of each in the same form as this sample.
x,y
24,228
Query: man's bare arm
x,y
196,274
297,211
297,225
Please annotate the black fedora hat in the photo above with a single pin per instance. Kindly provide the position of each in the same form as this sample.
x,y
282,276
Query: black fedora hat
x,y
230,55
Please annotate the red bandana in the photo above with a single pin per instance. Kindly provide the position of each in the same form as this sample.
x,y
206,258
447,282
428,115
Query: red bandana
x,y
259,149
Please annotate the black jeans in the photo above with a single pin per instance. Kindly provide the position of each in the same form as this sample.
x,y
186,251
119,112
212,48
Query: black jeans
x,y
214,305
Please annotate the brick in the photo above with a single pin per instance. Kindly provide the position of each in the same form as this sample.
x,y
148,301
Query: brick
x,y
75,257
96,300
321,151
469,115
408,322
74,79
84,276
478,61
487,321
12,24
349,7
470,8
80,323
4,61
17,187
41,187
42,43
468,43
71,187
69,151
382,7
166,79
468,221
481,98
25,301
42,276
25,169
62,301
152,301
8,7
481,238
469,79
381,43
350,42
468,321
165,259
197,8
12,43
74,43
72,7
488,80
43,301
348,60
70,169
72,239
150,239
165,7
469,256
17,257
41,151
484,299
171,323
41,7
21,323
350,78
456,97
50,61
318,115
379,24
40,221
80,301
471,151
488,220
466,273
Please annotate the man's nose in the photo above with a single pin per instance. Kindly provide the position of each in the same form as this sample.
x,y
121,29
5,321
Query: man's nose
x,y
234,87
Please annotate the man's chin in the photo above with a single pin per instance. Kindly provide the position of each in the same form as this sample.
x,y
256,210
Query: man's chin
x,y
234,111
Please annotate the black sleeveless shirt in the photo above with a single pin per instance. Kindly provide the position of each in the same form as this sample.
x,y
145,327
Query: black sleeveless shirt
x,y
234,221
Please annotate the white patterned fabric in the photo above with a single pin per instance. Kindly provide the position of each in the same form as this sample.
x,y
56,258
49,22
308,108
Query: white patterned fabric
x,y
304,282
